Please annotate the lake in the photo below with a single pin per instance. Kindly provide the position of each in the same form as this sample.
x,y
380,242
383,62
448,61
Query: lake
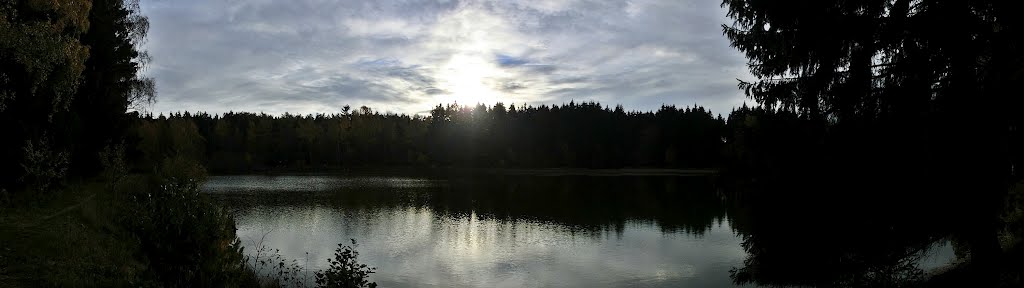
x,y
500,230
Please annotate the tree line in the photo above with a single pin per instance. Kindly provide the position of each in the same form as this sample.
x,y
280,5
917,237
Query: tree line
x,y
581,135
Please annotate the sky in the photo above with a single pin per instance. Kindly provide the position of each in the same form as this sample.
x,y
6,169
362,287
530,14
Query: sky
x,y
408,56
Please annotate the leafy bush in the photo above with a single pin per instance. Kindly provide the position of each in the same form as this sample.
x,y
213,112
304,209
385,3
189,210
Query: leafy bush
x,y
43,165
1013,218
186,239
4,199
344,270
274,270
115,167
182,171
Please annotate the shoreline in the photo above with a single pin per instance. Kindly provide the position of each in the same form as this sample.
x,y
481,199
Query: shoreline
x,y
438,171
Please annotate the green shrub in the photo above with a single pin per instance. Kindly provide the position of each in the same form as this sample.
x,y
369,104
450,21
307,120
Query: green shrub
x,y
344,270
273,270
1013,218
182,171
186,240
44,166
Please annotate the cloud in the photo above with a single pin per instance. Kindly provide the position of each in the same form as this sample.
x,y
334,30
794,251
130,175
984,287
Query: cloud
x,y
314,56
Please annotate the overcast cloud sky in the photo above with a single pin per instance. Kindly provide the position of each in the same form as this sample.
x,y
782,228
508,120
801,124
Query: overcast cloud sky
x,y
407,56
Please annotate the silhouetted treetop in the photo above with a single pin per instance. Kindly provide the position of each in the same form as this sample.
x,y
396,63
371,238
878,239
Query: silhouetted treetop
x,y
569,135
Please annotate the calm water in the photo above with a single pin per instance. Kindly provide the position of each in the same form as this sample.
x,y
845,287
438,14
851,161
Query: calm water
x,y
498,231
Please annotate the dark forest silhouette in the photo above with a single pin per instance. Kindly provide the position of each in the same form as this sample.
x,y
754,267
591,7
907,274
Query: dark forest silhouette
x,y
903,109
70,72
584,135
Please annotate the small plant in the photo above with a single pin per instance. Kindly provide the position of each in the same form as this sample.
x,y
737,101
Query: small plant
x,y
1013,218
344,270
5,199
43,165
273,270
114,166
182,171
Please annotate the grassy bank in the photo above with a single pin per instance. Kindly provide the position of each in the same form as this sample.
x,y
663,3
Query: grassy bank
x,y
142,230
69,238
151,230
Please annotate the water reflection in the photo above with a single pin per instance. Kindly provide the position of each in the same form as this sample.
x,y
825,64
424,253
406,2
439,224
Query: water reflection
x,y
514,231
684,204
809,232
510,231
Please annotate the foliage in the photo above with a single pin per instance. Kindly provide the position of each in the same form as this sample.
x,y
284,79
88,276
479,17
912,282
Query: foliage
x,y
112,82
182,171
185,239
41,54
41,63
1013,217
344,270
66,68
115,167
274,270
42,165
282,272
850,60
882,96
571,135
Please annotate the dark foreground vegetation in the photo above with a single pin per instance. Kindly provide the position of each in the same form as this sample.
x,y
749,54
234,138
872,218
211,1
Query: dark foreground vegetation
x,y
154,230
895,119
893,124
71,215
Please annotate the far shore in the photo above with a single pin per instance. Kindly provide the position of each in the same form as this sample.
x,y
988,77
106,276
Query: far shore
x,y
485,171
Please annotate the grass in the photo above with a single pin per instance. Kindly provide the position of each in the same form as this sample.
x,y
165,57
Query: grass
x,y
67,238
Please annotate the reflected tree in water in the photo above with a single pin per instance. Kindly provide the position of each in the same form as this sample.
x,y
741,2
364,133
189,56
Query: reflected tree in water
x,y
690,205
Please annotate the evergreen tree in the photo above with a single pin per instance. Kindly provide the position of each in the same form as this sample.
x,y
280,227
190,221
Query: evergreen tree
x,y
920,85
112,83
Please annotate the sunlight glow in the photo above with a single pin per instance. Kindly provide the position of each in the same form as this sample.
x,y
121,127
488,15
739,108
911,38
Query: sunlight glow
x,y
470,75
469,79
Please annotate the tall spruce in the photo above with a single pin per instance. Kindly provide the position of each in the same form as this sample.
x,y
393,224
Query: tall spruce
x,y
896,77
112,83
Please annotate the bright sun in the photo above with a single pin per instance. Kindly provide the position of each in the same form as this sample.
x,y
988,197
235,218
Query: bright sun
x,y
469,80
